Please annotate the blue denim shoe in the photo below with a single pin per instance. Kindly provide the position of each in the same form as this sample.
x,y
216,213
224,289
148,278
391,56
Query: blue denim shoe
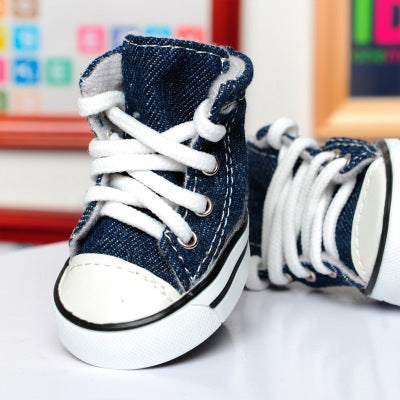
x,y
160,256
324,216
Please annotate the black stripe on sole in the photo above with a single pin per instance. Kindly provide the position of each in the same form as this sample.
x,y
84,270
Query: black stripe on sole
x,y
228,285
386,216
195,291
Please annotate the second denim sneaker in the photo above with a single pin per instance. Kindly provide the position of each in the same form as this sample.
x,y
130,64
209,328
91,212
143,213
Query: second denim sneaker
x,y
324,216
160,256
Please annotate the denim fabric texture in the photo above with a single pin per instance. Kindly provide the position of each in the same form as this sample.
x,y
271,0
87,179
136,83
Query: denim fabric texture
x,y
262,165
164,81
85,216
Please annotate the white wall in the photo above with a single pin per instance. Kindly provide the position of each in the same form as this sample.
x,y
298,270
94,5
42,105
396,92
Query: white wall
x,y
278,36
47,180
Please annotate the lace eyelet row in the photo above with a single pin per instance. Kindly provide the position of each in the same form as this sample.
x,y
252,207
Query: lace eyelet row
x,y
312,276
194,241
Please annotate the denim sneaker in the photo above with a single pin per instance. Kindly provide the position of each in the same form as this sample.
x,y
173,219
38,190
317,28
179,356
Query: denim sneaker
x,y
324,216
160,256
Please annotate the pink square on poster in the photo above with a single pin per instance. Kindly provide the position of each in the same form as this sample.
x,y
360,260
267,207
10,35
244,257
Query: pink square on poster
x,y
197,33
3,73
91,39
386,30
26,101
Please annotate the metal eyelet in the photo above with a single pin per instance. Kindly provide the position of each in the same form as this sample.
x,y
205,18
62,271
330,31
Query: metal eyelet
x,y
288,277
333,275
312,277
337,153
193,242
215,170
347,157
209,208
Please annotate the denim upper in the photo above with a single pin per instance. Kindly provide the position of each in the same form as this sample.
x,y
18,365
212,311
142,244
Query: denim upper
x,y
164,80
262,165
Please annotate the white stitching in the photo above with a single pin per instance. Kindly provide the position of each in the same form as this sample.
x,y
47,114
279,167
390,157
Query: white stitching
x,y
166,233
176,250
230,199
194,190
362,145
228,161
156,285
176,47
222,59
222,215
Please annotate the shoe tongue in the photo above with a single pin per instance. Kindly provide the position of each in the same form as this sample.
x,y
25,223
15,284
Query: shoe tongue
x,y
166,79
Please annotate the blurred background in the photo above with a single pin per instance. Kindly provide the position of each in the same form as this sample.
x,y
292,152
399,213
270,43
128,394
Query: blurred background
x,y
333,65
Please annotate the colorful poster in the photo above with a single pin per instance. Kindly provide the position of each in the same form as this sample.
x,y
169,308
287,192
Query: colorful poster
x,y
45,45
375,49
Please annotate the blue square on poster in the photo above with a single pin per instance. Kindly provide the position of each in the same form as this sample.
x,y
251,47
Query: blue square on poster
x,y
25,71
118,34
158,30
26,37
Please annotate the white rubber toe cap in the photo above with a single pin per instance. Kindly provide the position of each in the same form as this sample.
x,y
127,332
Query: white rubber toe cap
x,y
103,289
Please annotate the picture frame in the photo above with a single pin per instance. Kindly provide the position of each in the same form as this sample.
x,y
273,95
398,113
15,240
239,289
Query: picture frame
x,y
336,113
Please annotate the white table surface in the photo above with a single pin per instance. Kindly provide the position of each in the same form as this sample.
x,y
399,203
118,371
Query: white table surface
x,y
296,344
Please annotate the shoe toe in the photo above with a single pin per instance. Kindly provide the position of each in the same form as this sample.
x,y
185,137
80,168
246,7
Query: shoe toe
x,y
103,289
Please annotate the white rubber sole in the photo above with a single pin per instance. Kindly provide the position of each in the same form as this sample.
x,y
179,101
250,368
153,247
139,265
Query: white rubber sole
x,y
171,336
385,280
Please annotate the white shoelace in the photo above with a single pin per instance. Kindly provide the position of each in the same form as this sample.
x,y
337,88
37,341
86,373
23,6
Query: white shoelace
x,y
300,203
129,164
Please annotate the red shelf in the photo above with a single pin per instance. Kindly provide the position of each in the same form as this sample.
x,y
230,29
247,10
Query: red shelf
x,y
226,23
36,227
66,133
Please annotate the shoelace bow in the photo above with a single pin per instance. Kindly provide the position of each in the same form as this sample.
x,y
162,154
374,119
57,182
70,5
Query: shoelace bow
x,y
300,203
129,164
